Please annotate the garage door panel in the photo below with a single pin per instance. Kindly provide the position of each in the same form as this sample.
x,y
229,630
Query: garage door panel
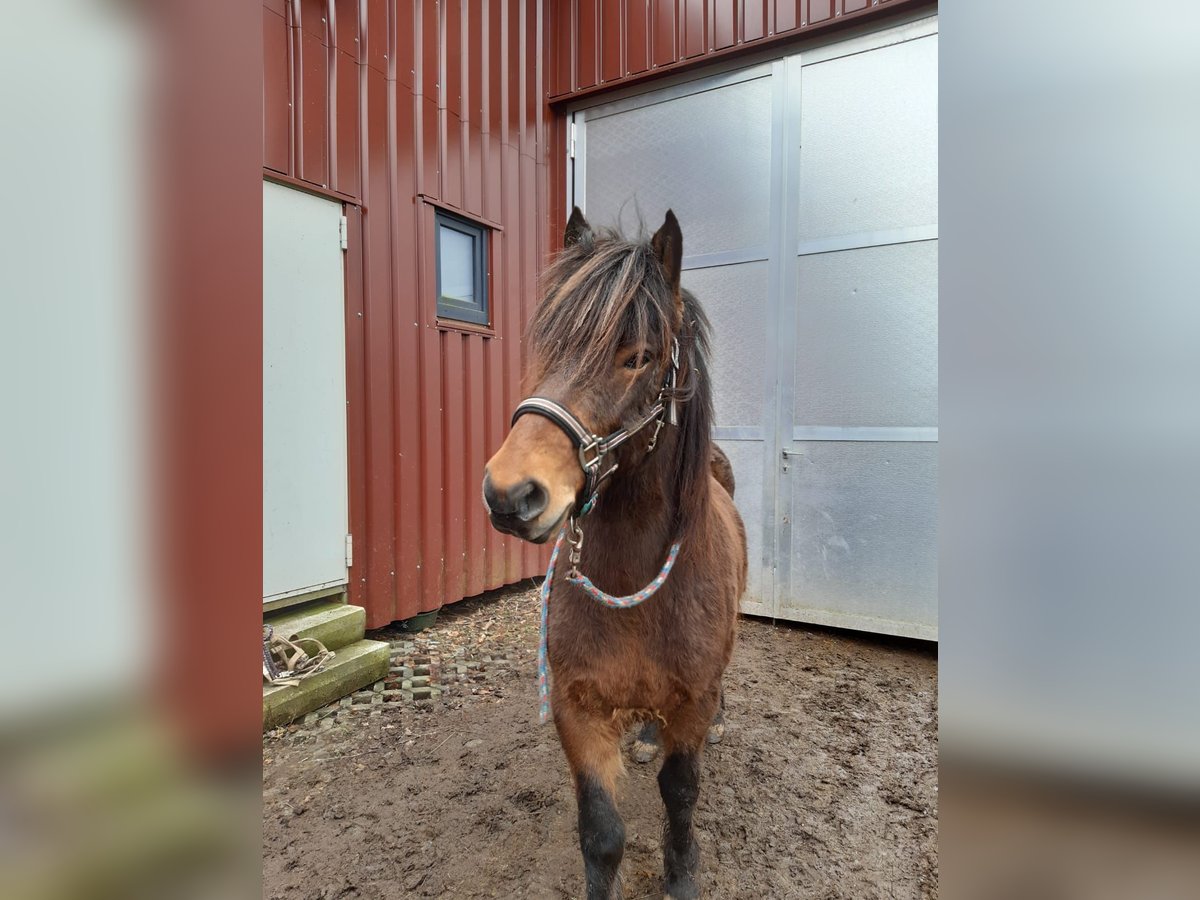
x,y
868,158
864,533
866,337
735,299
705,155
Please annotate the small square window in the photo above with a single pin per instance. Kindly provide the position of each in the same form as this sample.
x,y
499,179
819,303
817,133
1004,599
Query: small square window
x,y
461,269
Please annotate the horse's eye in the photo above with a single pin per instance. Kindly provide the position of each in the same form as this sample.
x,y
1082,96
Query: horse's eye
x,y
638,361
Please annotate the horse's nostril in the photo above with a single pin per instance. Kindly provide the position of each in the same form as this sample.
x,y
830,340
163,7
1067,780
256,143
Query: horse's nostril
x,y
526,500
517,495
534,501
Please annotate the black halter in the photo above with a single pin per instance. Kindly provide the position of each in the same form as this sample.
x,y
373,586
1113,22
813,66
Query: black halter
x,y
592,448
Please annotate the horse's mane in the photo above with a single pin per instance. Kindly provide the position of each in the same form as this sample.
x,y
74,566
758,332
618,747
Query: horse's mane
x,y
606,293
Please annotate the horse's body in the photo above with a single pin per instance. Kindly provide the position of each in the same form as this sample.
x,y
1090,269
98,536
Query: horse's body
x,y
601,349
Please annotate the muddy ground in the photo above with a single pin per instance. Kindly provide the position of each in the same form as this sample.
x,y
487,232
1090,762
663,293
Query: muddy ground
x,y
440,783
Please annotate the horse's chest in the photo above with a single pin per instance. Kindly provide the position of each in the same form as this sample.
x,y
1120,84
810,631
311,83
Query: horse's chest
x,y
613,660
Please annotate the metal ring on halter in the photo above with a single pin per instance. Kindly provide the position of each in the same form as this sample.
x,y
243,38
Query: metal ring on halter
x,y
595,446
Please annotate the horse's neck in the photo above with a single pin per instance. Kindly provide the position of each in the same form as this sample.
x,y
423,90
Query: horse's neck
x,y
631,528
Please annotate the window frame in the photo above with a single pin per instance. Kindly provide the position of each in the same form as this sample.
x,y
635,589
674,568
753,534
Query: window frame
x,y
479,314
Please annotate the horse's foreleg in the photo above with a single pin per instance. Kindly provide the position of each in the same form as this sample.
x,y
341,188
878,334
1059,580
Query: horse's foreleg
x,y
601,837
679,784
592,749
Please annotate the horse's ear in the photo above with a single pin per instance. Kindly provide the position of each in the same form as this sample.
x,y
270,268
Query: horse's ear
x,y
668,247
578,230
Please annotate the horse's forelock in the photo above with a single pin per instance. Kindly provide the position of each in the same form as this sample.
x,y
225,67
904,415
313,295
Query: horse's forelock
x,y
595,299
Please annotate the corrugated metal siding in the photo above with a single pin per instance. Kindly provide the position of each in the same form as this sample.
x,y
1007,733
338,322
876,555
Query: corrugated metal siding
x,y
395,107
599,45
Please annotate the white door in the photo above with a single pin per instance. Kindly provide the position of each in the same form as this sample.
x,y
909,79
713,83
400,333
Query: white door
x,y
806,188
305,503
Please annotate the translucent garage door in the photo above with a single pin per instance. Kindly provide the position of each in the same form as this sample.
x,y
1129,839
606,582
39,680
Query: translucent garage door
x,y
806,188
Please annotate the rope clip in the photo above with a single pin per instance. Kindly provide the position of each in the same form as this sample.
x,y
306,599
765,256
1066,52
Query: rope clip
x,y
575,539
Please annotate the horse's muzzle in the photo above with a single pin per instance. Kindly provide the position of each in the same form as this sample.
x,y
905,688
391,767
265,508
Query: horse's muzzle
x,y
515,510
524,530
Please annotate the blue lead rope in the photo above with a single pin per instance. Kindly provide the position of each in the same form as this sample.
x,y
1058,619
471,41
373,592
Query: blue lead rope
x,y
596,594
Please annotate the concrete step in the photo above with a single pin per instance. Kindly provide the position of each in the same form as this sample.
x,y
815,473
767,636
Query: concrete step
x,y
354,666
332,622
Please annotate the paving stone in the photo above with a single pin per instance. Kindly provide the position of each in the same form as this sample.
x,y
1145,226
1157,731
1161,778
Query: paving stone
x,y
418,672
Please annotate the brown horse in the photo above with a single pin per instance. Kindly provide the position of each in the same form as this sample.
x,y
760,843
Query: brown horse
x,y
618,349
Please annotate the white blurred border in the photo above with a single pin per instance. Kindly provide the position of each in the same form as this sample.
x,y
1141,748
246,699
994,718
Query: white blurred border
x,y
1070,386
73,474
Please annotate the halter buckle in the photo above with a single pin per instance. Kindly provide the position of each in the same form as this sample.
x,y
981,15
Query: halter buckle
x,y
658,424
671,414
593,446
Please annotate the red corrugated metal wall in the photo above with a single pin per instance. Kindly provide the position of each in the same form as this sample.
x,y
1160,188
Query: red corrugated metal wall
x,y
397,107
598,44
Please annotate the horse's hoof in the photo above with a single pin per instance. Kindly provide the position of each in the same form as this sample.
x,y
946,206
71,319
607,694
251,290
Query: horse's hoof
x,y
716,731
644,751
687,891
